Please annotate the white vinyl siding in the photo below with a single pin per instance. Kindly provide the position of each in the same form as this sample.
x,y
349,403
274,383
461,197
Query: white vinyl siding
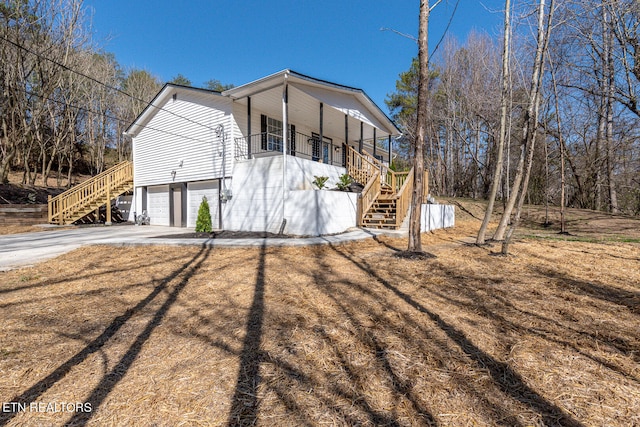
x,y
181,138
195,192
158,204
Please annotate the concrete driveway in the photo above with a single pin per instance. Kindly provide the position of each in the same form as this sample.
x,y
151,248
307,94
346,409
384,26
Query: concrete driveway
x,y
21,250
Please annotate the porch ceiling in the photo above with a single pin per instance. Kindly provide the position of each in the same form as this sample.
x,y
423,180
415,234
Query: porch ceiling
x,y
304,110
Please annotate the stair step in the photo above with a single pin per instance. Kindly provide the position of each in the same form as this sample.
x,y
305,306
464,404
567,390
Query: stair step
x,y
379,221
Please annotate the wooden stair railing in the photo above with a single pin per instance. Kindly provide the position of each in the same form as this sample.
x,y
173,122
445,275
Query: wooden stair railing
x,y
392,194
368,197
88,196
364,171
403,197
386,196
359,167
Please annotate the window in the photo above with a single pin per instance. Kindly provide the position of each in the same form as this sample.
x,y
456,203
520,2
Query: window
x,y
274,134
271,135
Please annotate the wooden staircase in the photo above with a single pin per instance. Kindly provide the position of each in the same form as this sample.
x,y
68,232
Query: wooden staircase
x,y
384,200
383,212
89,196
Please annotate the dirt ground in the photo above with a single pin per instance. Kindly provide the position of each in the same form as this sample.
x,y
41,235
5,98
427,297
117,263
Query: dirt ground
x,y
329,335
15,192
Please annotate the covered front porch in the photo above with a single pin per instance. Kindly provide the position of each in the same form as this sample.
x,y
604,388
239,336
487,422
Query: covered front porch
x,y
319,120
307,147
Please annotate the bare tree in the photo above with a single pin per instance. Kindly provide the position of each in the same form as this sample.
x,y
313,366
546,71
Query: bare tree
x,y
415,241
504,104
531,123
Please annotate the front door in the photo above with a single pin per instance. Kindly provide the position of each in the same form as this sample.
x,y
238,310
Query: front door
x,y
177,194
321,151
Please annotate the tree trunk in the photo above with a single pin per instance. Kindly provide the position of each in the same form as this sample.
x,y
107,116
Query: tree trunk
x,y
8,153
415,241
531,125
610,93
562,154
480,240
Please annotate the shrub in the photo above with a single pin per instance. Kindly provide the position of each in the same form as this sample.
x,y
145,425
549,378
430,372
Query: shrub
x,y
344,182
203,223
320,181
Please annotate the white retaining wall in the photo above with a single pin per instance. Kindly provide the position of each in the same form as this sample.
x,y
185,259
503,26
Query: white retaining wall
x,y
257,202
318,212
435,216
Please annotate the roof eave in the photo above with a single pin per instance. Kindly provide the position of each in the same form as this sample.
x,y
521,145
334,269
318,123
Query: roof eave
x,y
256,86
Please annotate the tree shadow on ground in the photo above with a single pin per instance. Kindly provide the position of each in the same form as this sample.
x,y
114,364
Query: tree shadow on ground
x,y
490,303
621,297
85,275
244,403
111,378
504,377
330,386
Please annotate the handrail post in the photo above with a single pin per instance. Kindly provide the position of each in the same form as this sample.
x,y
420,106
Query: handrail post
x,y
60,211
108,221
49,209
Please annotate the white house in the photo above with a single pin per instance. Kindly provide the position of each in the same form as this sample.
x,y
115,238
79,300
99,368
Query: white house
x,y
229,146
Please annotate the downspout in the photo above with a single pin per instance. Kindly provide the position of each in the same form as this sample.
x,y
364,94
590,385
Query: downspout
x,y
285,138
220,134
223,195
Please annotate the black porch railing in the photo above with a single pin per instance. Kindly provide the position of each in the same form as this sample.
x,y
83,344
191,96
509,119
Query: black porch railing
x,y
299,145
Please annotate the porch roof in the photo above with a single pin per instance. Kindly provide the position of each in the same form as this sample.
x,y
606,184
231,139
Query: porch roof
x,y
353,102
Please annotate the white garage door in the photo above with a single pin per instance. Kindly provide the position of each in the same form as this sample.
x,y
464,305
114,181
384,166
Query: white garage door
x,y
195,191
158,204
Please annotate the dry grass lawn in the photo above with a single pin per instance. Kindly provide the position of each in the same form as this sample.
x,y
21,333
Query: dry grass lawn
x,y
332,335
17,229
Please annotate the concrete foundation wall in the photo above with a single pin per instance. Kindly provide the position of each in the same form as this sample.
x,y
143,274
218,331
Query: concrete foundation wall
x,y
257,202
437,216
319,212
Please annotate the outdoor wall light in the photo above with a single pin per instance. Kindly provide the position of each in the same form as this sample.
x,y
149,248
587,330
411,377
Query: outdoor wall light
x,y
180,163
173,174
225,196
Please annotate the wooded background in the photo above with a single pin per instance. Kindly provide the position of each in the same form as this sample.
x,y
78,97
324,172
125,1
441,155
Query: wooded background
x,y
588,107
64,102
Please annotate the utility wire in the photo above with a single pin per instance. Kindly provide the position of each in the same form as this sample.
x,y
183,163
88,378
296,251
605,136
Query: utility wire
x,y
415,40
88,110
446,30
93,79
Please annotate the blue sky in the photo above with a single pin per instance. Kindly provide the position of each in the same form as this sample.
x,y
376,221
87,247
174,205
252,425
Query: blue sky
x,y
238,41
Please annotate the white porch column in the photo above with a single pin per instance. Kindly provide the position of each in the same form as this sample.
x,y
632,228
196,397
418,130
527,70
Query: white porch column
x,y
285,140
